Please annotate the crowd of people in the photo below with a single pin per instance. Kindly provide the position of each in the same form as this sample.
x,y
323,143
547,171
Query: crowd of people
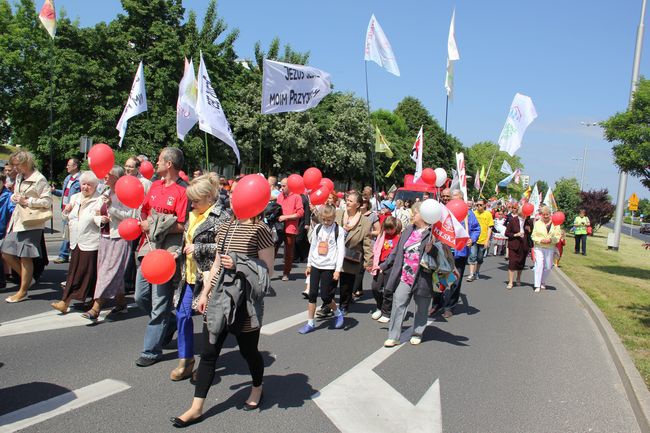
x,y
224,265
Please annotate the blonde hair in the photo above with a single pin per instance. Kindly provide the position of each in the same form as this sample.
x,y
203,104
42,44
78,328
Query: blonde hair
x,y
327,210
204,186
21,157
416,207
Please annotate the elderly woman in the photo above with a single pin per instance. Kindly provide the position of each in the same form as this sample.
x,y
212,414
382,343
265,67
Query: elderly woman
x,y
409,280
545,235
22,244
84,242
113,252
251,238
199,248
518,231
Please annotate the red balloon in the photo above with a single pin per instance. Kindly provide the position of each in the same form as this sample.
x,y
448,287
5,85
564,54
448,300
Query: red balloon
x,y
429,176
101,159
296,184
251,196
558,218
527,209
340,194
146,169
129,229
458,208
326,182
130,191
319,196
158,266
183,176
312,178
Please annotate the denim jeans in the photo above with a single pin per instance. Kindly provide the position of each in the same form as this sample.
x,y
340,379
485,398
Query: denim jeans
x,y
451,295
64,251
155,300
184,323
476,254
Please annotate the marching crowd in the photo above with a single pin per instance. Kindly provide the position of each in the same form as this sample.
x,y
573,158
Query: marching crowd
x,y
225,265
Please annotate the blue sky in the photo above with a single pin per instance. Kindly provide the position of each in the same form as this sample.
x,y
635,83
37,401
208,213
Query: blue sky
x,y
573,58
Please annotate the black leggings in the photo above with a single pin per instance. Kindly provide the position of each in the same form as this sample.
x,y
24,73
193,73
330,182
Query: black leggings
x,y
247,342
321,281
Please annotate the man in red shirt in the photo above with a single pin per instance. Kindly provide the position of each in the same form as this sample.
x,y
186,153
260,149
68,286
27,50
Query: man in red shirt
x,y
165,196
292,211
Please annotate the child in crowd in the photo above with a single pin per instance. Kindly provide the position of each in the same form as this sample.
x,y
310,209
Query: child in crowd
x,y
385,243
499,234
559,248
6,209
324,265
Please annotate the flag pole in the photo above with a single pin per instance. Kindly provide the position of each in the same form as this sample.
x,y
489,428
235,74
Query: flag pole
x,y
372,147
487,173
446,112
207,158
49,139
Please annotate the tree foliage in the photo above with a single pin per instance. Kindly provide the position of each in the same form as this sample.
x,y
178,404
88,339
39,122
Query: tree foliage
x,y
598,205
479,156
632,130
567,196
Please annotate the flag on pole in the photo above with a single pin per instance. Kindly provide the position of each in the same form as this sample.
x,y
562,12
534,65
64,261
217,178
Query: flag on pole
x,y
381,145
527,193
416,155
522,113
534,199
549,200
136,104
393,166
477,181
462,175
455,181
452,56
517,176
378,48
47,15
483,175
288,87
506,181
186,116
505,168
212,119
449,231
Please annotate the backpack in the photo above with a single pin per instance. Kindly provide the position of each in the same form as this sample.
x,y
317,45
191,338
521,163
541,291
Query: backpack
x,y
336,231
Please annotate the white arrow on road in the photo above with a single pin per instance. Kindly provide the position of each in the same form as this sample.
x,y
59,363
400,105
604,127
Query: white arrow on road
x,y
361,401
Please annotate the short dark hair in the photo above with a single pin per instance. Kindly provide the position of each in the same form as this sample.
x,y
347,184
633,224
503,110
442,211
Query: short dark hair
x,y
76,162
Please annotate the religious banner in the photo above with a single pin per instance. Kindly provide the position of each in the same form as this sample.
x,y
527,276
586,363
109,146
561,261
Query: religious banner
x,y
287,87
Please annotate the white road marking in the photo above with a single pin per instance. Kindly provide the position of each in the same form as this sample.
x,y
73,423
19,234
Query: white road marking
x,y
282,324
47,321
360,401
44,410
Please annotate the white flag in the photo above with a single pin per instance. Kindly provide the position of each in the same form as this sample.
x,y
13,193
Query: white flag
x,y
534,199
462,175
416,155
211,116
522,113
549,200
136,104
452,55
378,48
186,116
287,87
505,168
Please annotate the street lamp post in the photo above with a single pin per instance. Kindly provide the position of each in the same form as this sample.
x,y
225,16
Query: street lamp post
x,y
584,156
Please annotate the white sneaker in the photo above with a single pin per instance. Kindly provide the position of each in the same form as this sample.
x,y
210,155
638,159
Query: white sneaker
x,y
543,287
383,319
376,314
415,340
536,289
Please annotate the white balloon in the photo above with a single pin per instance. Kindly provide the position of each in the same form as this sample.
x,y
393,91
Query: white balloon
x,y
431,211
441,176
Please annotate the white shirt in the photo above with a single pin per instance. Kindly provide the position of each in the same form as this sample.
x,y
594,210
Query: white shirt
x,y
84,231
333,260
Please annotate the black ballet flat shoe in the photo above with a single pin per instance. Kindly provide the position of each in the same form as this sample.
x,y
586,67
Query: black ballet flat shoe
x,y
179,423
248,407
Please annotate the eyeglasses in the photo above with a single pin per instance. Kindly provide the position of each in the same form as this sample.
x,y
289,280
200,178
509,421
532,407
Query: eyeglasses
x,y
480,204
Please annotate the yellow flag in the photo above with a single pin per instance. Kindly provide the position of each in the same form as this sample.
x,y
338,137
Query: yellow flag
x,y
381,145
483,176
392,168
527,193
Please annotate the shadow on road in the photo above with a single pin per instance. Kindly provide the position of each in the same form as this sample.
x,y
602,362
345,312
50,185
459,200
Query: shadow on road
x,y
433,333
19,396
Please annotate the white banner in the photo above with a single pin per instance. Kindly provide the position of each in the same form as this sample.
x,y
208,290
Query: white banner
x,y
522,113
452,56
505,168
535,200
462,175
136,104
416,155
212,119
186,116
288,87
378,48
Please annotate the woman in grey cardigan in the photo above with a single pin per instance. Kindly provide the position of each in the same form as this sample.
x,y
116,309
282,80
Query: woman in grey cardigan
x,y
408,279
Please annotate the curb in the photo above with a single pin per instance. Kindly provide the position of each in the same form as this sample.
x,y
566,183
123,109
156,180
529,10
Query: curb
x,y
635,388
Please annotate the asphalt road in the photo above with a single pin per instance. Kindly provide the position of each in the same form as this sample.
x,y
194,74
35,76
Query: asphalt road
x,y
634,232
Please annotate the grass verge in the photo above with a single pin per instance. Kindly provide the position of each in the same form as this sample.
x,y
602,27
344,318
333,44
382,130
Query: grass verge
x,y
619,283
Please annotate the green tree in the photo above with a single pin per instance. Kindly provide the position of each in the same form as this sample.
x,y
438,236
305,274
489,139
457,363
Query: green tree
x,y
632,130
480,155
396,132
567,196
644,207
542,187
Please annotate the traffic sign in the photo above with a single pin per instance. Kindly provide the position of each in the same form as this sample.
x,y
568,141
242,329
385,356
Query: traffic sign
x,y
633,202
